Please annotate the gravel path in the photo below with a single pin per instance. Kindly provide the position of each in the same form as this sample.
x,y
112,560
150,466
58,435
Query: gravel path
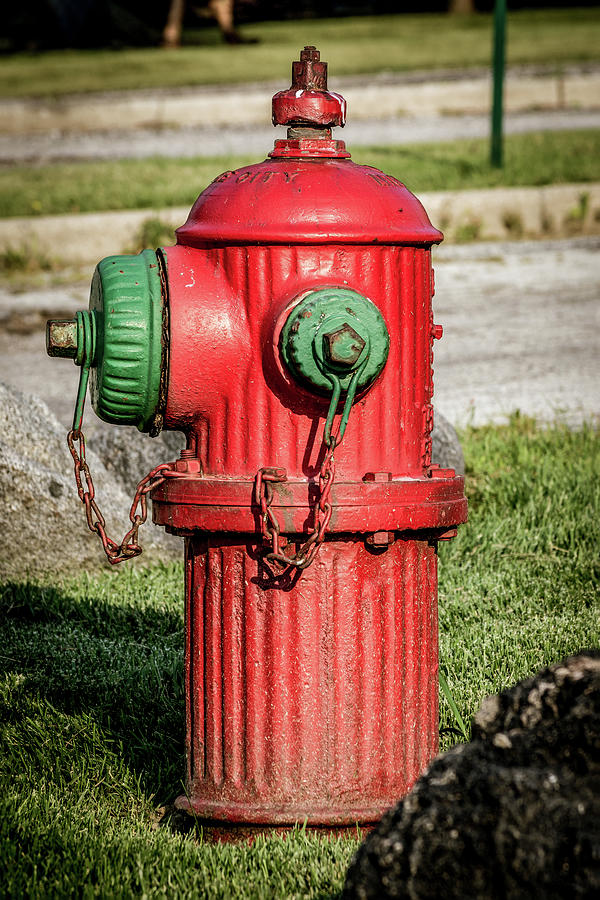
x,y
206,141
521,324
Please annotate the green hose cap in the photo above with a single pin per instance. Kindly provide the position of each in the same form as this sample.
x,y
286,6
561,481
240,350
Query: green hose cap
x,y
335,331
127,306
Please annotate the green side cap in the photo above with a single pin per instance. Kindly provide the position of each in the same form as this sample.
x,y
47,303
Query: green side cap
x,y
127,306
335,331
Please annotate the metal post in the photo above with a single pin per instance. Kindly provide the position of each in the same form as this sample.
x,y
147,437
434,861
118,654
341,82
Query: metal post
x,y
498,88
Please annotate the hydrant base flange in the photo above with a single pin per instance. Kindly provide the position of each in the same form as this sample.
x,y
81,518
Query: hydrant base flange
x,y
227,506
271,815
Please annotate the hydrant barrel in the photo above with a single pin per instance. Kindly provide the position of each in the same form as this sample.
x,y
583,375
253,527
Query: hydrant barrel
x,y
289,334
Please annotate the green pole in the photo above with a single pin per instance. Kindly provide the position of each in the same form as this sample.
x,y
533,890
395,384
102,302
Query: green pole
x,y
498,88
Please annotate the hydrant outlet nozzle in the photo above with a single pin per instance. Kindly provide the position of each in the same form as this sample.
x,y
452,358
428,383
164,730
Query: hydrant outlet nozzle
x,y
318,340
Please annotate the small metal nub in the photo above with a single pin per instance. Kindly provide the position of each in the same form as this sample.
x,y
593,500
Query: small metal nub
x,y
308,109
61,338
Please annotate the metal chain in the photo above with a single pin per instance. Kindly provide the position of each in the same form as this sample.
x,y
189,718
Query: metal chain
x,y
129,546
269,524
267,476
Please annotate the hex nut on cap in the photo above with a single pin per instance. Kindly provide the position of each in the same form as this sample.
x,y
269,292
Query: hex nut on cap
x,y
343,346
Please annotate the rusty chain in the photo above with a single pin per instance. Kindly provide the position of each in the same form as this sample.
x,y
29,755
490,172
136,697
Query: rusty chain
x,y
269,524
129,546
322,511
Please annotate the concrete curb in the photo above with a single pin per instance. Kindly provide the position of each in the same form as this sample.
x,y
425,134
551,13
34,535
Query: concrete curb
x,y
491,214
558,210
249,104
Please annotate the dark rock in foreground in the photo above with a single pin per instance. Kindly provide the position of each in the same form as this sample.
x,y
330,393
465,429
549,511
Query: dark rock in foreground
x,y
513,814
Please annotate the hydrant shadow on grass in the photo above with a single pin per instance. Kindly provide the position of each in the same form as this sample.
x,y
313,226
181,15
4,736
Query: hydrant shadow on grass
x,y
120,665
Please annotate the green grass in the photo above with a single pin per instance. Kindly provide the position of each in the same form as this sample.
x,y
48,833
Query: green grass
x,y
519,586
351,46
91,685
532,159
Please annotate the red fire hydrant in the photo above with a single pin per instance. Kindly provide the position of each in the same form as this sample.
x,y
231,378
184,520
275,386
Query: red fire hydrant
x,y
289,334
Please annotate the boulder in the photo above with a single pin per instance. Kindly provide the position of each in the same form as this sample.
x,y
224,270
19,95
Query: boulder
x,y
513,814
42,520
445,446
129,455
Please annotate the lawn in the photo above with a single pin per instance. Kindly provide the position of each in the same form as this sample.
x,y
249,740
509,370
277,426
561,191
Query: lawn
x,y
91,708
352,46
531,159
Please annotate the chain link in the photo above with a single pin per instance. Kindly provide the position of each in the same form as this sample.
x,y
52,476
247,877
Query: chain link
x,y
265,477
129,546
269,524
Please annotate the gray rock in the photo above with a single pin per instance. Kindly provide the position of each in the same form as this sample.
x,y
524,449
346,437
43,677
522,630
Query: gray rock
x,y
42,520
129,455
445,446
513,814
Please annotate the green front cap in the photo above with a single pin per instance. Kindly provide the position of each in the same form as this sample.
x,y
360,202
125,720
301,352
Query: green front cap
x,y
335,331
127,306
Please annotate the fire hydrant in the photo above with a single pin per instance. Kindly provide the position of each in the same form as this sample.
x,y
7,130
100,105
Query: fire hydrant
x,y
289,334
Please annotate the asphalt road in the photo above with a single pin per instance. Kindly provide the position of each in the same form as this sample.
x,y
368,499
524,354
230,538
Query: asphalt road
x,y
521,323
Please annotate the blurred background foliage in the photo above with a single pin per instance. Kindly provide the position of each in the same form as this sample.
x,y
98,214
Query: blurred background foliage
x,y
33,25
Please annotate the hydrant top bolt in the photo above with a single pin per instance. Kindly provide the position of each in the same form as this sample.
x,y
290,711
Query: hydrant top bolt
x,y
307,104
343,346
309,73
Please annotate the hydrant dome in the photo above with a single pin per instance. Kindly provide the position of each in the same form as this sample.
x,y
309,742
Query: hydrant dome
x,y
307,201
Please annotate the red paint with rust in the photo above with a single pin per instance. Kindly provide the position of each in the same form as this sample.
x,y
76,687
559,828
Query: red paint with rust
x,y
310,695
316,698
